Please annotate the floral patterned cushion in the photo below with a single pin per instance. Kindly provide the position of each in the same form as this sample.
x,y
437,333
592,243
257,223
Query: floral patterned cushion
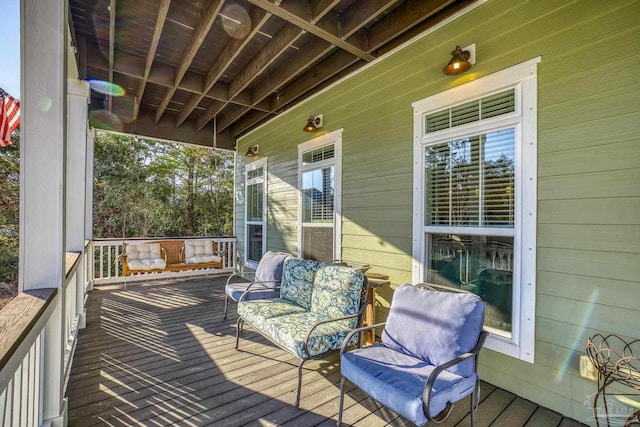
x,y
290,332
297,281
256,312
336,291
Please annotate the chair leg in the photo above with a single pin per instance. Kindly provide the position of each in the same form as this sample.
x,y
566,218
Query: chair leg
x,y
472,406
226,306
238,330
341,402
474,401
299,382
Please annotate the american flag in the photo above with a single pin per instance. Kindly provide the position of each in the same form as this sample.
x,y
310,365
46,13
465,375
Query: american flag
x,y
9,117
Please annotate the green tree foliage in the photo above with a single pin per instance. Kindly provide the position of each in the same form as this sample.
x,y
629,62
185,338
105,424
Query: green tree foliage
x,y
146,188
9,208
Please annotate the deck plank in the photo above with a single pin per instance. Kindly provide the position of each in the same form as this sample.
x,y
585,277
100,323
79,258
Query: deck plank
x,y
160,353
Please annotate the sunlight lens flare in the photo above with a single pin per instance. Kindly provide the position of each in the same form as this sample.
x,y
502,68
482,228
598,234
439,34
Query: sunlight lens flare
x,y
106,88
104,119
235,21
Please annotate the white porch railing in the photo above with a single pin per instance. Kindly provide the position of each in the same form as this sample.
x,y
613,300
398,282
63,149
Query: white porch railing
x,y
29,326
108,269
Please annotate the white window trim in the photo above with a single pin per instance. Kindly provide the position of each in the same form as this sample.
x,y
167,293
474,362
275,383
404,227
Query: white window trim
x,y
333,138
524,77
249,167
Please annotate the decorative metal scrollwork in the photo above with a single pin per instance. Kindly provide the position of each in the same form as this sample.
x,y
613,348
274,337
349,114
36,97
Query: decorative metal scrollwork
x,y
614,359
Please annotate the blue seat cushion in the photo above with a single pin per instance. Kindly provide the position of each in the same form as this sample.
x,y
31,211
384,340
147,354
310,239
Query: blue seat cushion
x,y
397,381
235,291
434,326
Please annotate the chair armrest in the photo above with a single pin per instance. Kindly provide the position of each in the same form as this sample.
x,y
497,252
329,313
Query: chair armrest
x,y
442,367
249,290
350,335
240,276
322,322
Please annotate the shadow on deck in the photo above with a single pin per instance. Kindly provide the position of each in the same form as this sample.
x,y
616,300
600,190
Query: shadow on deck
x,y
160,354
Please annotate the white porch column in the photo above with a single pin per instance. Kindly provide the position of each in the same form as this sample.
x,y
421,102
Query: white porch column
x,y
77,110
42,177
88,203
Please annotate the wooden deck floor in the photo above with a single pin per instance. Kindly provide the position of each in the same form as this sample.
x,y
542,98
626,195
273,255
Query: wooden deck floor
x,y
161,354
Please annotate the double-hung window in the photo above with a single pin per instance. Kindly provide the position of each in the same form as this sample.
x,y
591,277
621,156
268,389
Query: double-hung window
x,y
255,214
475,199
319,165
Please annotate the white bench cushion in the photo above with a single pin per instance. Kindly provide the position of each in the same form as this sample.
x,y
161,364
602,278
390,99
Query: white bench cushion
x,y
199,259
145,256
143,251
194,247
147,264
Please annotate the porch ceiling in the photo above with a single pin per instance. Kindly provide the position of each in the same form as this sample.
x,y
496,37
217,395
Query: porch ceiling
x,y
183,63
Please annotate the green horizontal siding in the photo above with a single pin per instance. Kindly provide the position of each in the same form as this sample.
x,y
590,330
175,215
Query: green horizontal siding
x,y
588,236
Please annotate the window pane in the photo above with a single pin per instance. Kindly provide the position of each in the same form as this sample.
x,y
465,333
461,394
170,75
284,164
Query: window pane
x,y
317,195
469,182
254,202
318,155
498,177
452,183
254,242
473,111
480,264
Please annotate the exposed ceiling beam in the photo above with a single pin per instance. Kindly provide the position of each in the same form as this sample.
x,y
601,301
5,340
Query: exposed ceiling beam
x,y
247,122
356,17
312,28
146,126
207,19
323,71
316,49
231,114
278,44
162,75
400,20
312,52
258,17
157,32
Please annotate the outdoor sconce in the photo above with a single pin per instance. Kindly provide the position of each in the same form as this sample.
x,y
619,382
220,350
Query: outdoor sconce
x,y
461,60
252,150
313,124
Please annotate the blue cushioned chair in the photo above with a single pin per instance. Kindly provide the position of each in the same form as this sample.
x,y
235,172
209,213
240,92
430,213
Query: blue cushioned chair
x,y
264,283
428,357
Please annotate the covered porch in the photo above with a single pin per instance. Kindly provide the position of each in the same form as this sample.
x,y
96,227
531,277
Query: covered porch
x,y
160,353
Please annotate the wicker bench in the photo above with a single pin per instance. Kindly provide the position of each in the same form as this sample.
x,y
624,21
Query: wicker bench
x,y
169,255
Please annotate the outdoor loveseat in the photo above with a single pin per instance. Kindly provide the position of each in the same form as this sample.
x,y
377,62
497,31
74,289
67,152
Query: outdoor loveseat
x,y
319,304
169,255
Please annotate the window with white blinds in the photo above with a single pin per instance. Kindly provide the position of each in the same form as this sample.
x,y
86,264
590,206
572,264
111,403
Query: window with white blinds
x,y
475,198
319,166
255,197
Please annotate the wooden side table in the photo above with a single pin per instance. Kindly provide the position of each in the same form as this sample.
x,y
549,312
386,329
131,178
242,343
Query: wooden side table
x,y
376,281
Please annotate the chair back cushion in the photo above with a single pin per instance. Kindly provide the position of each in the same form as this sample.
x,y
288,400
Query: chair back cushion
x,y
270,268
143,251
337,291
297,281
434,326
